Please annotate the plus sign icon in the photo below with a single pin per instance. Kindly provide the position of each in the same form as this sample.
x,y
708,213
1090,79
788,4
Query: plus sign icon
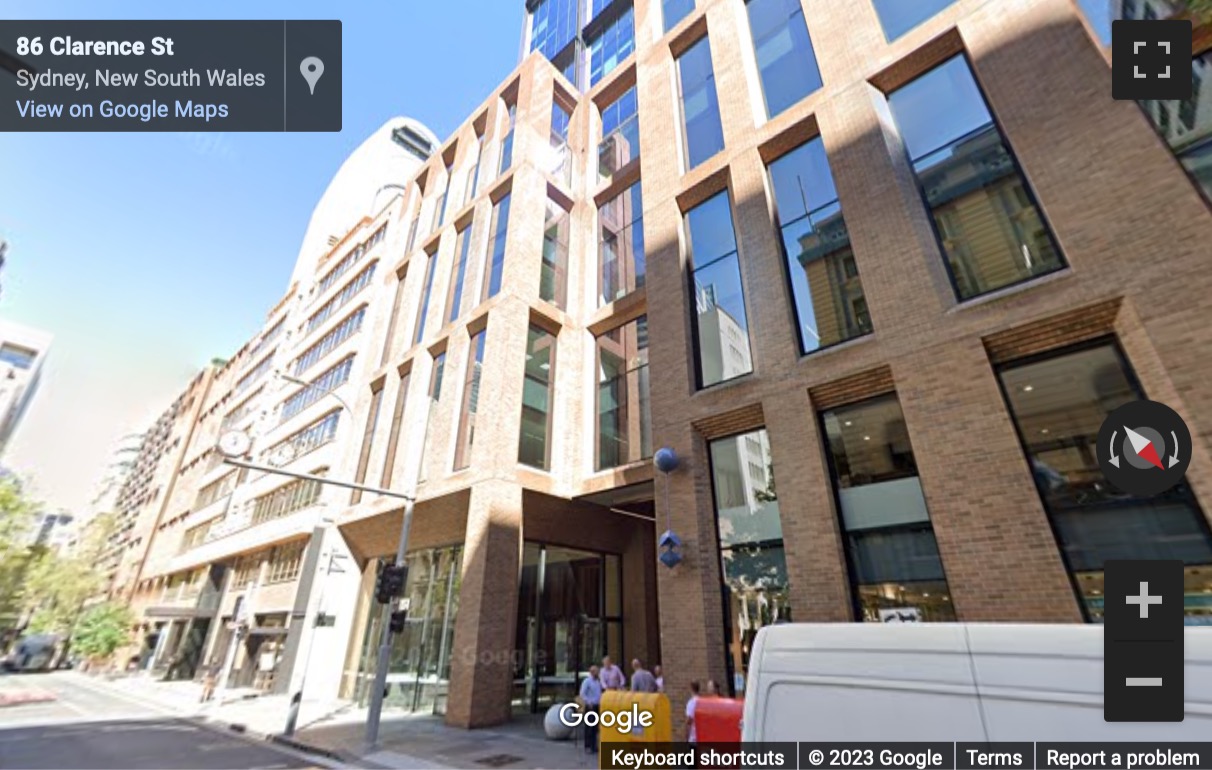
x,y
1151,59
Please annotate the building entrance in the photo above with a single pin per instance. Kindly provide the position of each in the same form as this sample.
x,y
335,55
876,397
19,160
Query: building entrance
x,y
569,616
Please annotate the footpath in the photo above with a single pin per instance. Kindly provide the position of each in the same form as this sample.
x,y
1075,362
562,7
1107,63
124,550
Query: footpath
x,y
336,730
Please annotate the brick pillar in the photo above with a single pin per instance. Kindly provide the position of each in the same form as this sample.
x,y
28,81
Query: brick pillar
x,y
481,669
1001,560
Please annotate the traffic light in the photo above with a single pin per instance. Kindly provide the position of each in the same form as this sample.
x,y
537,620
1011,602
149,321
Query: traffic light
x,y
398,620
391,583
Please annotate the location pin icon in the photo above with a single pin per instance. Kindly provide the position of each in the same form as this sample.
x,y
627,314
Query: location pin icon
x,y
312,68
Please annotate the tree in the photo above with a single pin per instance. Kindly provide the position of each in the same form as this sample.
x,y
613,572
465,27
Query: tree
x,y
102,629
57,587
17,513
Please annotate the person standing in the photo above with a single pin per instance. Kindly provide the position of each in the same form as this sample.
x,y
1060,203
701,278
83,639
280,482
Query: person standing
x,y
642,679
691,705
612,676
591,699
660,677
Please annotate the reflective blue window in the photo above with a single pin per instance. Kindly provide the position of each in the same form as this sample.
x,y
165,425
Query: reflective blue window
x,y
829,301
496,249
985,216
620,134
599,6
553,25
704,135
899,16
673,11
611,47
721,324
785,59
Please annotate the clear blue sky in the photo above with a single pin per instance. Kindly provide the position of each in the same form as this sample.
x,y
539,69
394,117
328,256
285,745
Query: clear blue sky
x,y
149,254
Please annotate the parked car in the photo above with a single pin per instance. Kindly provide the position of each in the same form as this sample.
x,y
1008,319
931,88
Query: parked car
x,y
36,652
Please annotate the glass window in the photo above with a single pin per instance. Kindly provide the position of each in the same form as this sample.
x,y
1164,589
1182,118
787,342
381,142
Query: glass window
x,y
17,356
785,59
673,11
825,284
431,264
393,435
611,47
1058,404
285,500
1190,135
701,128
751,542
621,265
624,419
341,298
507,141
330,341
553,279
471,401
473,173
533,444
721,326
368,440
620,134
561,162
458,273
439,208
435,397
553,25
899,16
495,264
412,232
894,560
317,389
986,218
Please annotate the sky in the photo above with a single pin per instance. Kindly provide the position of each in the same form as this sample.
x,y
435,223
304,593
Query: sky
x,y
147,255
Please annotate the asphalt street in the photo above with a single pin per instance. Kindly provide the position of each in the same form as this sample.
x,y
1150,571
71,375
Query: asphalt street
x,y
88,727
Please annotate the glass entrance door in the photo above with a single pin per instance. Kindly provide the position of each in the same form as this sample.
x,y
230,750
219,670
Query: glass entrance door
x,y
569,616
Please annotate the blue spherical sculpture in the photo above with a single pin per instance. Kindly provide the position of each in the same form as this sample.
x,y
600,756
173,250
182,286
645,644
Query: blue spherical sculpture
x,y
665,459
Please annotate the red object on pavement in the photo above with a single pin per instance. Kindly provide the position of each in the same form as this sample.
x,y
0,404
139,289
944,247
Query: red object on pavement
x,y
718,720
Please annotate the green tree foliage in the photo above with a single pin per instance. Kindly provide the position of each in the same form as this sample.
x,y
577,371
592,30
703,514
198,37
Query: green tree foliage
x,y
57,587
17,513
102,629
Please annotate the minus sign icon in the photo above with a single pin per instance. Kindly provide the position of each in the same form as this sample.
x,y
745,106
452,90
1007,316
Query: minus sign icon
x,y
1143,681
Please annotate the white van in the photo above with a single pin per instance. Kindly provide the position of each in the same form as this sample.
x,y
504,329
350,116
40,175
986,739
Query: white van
x,y
950,682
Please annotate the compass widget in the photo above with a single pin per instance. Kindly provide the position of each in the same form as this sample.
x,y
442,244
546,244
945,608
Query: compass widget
x,y
1144,448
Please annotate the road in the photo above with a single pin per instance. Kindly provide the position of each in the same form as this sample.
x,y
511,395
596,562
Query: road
x,y
88,727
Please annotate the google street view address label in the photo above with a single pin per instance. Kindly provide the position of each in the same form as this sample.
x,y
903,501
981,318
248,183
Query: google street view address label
x,y
170,76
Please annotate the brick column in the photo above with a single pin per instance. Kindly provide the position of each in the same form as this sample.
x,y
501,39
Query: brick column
x,y
481,666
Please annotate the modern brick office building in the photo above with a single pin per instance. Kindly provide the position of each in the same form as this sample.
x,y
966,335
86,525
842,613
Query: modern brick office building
x,y
903,257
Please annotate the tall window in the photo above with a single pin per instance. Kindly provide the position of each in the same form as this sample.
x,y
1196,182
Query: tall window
x,y
785,59
721,326
412,231
458,272
495,263
1189,134
1059,403
431,265
561,121
615,44
985,216
439,208
553,25
368,441
435,397
471,402
621,265
673,11
473,173
898,17
553,280
895,568
285,562
829,301
624,418
754,566
620,134
507,140
393,435
534,446
702,132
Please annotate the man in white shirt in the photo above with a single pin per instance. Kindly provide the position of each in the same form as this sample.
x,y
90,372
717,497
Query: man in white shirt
x,y
613,677
691,704
591,698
